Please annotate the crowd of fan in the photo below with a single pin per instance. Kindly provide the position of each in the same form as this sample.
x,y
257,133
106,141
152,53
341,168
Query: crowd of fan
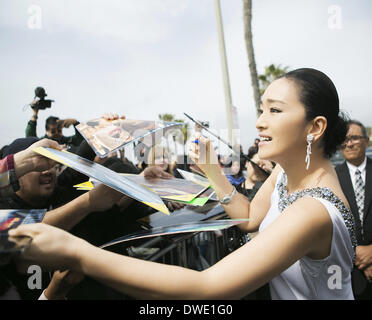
x,y
54,187
96,216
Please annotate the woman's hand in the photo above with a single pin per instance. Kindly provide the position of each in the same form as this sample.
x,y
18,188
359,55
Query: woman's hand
x,y
201,151
51,248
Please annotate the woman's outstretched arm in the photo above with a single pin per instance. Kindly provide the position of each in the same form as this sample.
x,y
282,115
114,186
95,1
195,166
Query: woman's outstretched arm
x,y
294,234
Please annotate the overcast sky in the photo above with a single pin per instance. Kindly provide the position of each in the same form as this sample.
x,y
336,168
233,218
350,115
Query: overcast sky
x,y
139,58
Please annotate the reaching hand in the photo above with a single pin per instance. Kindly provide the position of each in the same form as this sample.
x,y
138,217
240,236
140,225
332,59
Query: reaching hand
x,y
156,172
50,247
172,206
27,160
102,198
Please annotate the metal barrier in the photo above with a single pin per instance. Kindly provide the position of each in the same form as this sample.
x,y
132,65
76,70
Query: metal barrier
x,y
197,250
200,250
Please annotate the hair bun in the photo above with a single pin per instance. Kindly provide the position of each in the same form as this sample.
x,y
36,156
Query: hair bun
x,y
337,134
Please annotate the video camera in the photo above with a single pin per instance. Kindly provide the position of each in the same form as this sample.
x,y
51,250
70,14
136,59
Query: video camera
x,y
41,103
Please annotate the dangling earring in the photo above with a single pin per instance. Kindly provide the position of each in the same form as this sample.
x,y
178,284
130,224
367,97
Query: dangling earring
x,y
310,139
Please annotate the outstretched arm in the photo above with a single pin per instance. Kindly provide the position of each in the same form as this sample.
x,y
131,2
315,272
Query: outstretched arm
x,y
294,234
100,198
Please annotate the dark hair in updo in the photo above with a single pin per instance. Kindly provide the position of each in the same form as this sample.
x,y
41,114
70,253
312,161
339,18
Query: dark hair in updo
x,y
319,96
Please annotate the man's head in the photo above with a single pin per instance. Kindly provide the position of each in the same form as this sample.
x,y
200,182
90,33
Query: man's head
x,y
52,130
35,187
356,143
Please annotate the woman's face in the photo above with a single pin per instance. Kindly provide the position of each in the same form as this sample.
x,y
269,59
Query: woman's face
x,y
282,124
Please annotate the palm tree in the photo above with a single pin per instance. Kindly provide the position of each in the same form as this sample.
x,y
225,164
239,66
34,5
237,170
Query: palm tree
x,y
247,16
271,73
166,117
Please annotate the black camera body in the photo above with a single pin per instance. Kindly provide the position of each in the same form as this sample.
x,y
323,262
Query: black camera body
x,y
41,103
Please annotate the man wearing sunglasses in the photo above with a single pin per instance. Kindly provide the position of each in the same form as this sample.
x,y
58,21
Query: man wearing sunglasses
x,y
355,176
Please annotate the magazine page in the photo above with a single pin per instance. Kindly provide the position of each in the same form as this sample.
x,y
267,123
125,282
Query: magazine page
x,y
106,176
211,210
170,189
196,178
12,218
179,190
107,136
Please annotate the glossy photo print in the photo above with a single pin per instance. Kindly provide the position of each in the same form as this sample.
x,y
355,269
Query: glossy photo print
x,y
178,190
107,136
210,225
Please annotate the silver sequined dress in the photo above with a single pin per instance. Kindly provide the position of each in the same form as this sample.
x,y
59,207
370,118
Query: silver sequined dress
x,y
328,278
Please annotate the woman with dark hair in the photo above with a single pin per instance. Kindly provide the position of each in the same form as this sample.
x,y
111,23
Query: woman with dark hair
x,y
305,246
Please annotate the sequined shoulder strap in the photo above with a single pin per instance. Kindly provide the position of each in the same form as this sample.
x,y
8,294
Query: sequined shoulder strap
x,y
286,200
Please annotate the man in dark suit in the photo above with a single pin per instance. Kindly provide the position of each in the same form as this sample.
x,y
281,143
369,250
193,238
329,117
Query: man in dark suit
x,y
355,176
